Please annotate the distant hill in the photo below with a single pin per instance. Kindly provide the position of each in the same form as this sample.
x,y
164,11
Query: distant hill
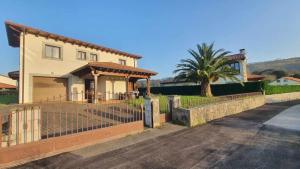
x,y
290,65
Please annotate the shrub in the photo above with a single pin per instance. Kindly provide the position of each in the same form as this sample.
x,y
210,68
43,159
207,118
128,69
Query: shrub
x,y
8,99
269,89
217,89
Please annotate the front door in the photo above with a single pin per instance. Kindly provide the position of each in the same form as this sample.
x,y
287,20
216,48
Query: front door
x,y
89,89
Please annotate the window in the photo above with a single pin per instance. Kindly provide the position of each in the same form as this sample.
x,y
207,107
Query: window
x,y
52,52
93,57
278,81
122,62
81,55
235,66
285,80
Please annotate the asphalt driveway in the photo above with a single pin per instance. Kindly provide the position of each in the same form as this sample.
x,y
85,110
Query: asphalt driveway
x,y
239,141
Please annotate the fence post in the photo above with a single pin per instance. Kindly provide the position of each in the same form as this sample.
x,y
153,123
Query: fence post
x,y
174,102
152,112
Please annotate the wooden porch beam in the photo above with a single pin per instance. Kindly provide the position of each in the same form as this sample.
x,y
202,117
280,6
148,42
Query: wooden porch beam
x,y
148,86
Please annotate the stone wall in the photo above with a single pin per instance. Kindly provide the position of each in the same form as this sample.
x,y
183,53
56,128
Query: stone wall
x,y
165,117
200,115
274,98
181,115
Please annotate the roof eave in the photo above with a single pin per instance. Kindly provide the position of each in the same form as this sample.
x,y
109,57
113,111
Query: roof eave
x,y
13,35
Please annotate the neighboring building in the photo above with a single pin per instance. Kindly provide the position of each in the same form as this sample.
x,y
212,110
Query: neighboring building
x,y
255,78
7,83
237,61
52,65
286,81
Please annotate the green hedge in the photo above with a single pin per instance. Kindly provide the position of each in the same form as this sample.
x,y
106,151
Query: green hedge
x,y
217,90
8,99
281,89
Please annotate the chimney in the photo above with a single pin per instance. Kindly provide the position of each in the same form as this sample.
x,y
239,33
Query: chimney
x,y
243,51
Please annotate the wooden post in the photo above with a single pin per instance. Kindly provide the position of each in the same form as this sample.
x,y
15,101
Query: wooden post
x,y
127,87
95,74
148,86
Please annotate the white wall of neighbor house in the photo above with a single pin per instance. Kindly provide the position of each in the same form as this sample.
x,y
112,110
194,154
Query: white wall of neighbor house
x,y
37,65
283,81
7,80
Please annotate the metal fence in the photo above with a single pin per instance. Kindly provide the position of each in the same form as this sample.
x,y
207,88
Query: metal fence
x,y
89,96
27,123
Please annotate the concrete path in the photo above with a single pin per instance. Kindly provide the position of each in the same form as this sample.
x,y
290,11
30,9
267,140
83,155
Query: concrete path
x,y
238,141
288,119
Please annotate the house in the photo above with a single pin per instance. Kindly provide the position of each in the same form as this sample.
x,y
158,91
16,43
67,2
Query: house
x,y
6,83
236,61
286,81
55,66
239,63
255,78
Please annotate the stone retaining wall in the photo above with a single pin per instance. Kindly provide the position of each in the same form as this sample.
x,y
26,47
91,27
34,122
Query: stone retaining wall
x,y
200,115
274,98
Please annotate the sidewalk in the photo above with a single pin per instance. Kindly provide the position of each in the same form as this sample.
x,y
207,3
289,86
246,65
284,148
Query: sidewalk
x,y
149,133
288,119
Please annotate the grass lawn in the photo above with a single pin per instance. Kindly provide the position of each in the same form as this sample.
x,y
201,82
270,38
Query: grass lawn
x,y
8,99
193,101
186,101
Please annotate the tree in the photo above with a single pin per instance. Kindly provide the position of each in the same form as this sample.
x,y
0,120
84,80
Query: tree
x,y
279,73
297,75
207,65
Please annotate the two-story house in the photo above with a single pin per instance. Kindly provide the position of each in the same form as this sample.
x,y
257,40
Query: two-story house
x,y
55,66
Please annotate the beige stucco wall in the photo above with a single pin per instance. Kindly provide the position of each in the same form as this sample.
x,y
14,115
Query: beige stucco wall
x,y
7,80
37,65
114,86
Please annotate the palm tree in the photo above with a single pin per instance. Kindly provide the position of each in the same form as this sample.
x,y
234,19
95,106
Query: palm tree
x,y
206,66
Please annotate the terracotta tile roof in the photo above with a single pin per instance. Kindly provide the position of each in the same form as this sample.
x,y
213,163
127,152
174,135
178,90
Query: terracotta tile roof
x,y
13,33
115,66
292,79
251,77
6,86
236,57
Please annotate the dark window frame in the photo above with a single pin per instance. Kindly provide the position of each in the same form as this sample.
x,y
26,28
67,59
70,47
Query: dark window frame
x,y
122,62
52,47
94,54
80,58
236,66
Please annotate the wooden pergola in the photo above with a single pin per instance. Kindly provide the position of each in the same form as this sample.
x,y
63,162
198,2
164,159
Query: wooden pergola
x,y
95,69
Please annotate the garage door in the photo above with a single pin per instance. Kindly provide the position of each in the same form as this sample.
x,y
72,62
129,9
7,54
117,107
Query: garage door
x,y
49,87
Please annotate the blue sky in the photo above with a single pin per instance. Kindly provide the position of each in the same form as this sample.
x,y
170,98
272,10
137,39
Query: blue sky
x,y
162,31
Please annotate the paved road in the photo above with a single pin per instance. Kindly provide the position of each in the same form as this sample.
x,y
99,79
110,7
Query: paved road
x,y
239,141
